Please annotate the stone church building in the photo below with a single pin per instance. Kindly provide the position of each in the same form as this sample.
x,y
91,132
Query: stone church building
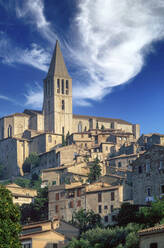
x,y
41,131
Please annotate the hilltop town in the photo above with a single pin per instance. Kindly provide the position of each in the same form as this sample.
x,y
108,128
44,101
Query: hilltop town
x,y
67,146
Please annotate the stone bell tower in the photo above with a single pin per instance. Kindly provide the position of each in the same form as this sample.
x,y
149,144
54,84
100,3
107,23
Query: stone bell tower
x,y
57,104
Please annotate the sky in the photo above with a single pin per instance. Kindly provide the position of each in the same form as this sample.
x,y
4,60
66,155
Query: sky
x,y
113,49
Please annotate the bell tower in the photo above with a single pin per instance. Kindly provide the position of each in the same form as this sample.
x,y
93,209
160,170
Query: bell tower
x,y
57,104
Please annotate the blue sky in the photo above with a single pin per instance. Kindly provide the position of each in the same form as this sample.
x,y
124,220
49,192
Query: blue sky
x,y
113,51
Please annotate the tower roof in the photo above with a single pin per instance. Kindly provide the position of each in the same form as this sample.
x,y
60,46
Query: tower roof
x,y
57,65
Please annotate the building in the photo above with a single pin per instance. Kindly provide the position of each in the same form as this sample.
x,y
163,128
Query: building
x,y
152,237
148,175
102,198
21,195
42,131
50,234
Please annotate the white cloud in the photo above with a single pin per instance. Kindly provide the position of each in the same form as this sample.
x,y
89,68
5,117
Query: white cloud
x,y
34,96
34,56
114,38
33,12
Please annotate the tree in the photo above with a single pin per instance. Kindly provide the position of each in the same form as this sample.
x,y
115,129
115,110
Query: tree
x,y
86,220
9,220
38,210
102,127
31,162
95,171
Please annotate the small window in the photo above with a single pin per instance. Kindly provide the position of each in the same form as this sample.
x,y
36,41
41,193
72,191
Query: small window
x,y
106,218
106,148
58,85
112,196
62,86
105,207
111,208
53,182
62,130
162,189
78,192
63,105
71,204
56,208
149,192
54,246
99,197
67,84
119,164
57,196
79,203
99,210
140,169
9,131
49,138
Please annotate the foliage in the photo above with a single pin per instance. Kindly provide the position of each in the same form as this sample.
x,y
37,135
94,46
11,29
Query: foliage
x,y
38,210
34,182
31,162
117,237
102,127
9,220
153,214
97,125
86,220
95,171
127,214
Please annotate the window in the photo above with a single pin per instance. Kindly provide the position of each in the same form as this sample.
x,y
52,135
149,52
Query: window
x,y
78,192
153,245
149,192
106,218
99,210
147,167
79,203
62,130
111,208
119,164
99,197
57,196
49,138
140,169
80,127
106,148
58,85
105,207
62,86
53,182
9,131
112,196
96,139
28,245
67,87
56,208
63,105
162,189
54,246
71,204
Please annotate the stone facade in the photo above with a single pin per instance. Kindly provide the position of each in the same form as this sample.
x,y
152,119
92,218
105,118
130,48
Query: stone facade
x,y
148,175
102,198
21,195
152,237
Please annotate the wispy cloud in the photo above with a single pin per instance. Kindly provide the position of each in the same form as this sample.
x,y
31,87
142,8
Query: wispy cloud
x,y
33,12
114,38
34,56
34,96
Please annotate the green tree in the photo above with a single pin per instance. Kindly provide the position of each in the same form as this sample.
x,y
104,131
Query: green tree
x,y
31,162
9,220
38,210
86,220
102,127
128,213
95,171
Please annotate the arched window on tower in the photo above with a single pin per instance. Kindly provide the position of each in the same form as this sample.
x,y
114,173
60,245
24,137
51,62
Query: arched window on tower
x,y
49,138
58,85
63,105
79,127
10,131
67,87
62,86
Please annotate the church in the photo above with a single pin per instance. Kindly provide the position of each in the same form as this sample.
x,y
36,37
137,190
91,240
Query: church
x,y
40,131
